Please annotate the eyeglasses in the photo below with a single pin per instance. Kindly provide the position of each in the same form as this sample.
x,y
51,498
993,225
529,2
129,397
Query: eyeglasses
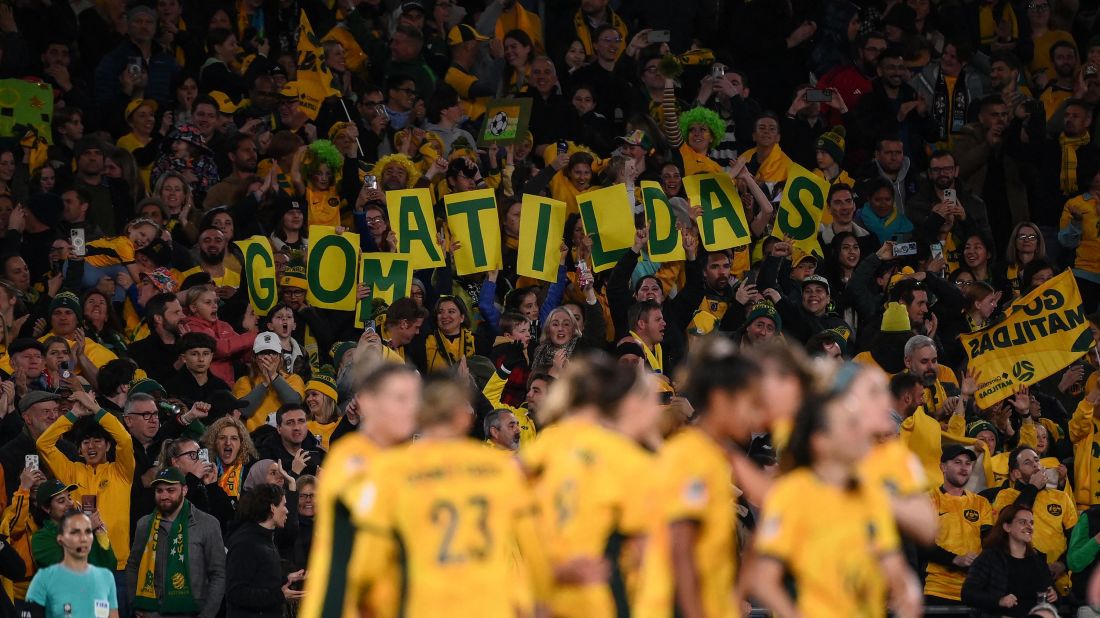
x,y
372,220
1027,236
194,455
145,416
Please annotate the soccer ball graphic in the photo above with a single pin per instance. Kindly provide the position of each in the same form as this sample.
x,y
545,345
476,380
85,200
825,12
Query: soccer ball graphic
x,y
498,124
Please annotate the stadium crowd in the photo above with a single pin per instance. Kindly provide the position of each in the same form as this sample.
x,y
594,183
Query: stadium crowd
x,y
790,423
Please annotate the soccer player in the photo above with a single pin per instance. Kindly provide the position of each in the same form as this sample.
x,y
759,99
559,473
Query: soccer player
x,y
445,513
829,536
387,398
591,479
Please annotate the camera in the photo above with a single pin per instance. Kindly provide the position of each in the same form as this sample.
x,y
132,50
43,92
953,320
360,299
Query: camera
x,y
903,249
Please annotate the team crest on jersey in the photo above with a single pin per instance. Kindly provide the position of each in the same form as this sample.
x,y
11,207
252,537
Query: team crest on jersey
x,y
713,307
1054,509
696,492
971,515
334,202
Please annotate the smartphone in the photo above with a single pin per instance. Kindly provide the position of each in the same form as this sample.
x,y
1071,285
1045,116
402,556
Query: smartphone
x,y
370,182
381,110
76,239
816,95
30,462
903,249
563,147
204,455
88,504
1052,477
937,250
717,71
949,195
134,66
66,369
659,36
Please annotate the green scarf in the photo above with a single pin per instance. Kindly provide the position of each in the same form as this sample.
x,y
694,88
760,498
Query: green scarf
x,y
177,581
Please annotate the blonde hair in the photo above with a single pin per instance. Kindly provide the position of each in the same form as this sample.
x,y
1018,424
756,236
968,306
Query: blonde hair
x,y
248,449
441,398
192,295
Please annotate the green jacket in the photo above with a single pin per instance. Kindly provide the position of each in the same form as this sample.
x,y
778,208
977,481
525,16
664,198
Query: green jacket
x,y
46,551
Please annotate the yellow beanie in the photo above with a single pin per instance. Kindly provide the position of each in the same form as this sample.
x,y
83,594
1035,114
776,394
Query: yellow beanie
x,y
895,319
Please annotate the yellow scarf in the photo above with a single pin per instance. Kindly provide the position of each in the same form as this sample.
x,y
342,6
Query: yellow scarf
x,y
1067,179
581,27
230,482
517,18
443,352
653,358
773,168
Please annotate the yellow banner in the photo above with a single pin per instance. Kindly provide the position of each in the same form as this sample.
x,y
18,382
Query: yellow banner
x,y
389,277
666,244
607,217
800,209
314,79
413,221
259,273
541,228
1043,333
722,224
332,268
474,222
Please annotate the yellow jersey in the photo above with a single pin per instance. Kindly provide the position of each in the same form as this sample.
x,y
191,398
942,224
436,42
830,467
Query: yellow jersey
x,y
324,430
271,402
831,541
229,277
1087,208
447,515
324,206
110,251
1055,513
331,589
694,479
592,497
892,466
462,80
961,520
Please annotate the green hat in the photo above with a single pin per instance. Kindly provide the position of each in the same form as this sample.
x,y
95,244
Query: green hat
x,y
49,490
764,309
169,476
340,348
147,386
65,300
323,381
975,428
832,142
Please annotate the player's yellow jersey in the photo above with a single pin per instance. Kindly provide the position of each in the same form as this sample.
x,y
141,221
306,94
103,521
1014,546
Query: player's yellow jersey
x,y
593,497
446,515
894,467
831,541
331,590
961,519
695,479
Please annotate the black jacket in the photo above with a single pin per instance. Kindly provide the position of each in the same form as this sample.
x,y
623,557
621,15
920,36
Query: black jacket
x,y
254,575
155,357
988,580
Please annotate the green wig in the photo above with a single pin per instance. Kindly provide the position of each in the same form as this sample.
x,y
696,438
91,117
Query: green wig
x,y
321,152
705,117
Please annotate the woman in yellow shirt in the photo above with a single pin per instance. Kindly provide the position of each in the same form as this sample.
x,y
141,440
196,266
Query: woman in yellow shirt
x,y
141,115
321,402
268,384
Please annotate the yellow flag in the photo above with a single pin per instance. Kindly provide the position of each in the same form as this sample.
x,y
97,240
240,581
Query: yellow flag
x,y
801,207
413,222
541,228
332,268
474,222
389,277
722,224
666,244
314,79
1043,333
259,273
607,217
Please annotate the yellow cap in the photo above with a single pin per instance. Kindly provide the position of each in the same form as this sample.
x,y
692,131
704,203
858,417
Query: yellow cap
x,y
132,106
225,104
462,33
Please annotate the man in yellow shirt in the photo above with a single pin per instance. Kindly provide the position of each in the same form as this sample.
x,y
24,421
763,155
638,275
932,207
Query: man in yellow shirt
x,y
964,517
212,253
1055,512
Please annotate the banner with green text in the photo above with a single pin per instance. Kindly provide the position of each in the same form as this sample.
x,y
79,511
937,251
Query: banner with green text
x,y
259,271
608,219
389,277
1041,334
541,227
474,222
332,268
800,209
722,224
413,222
666,244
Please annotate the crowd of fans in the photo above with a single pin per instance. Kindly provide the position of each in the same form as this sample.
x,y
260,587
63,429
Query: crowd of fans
x,y
153,425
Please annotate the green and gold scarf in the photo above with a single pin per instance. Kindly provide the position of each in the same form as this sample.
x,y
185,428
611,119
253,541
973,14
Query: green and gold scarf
x,y
177,581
